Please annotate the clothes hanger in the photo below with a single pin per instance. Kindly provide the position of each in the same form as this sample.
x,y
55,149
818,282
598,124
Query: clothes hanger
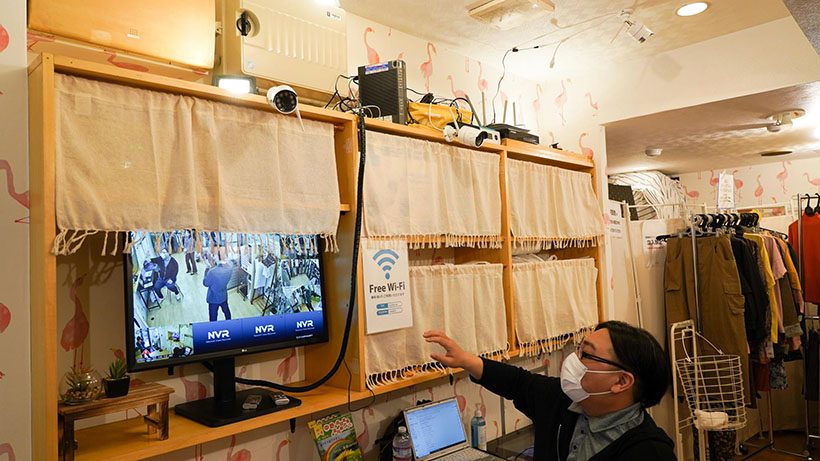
x,y
817,207
809,211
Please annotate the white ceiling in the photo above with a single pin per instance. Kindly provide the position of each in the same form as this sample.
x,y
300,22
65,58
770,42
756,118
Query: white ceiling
x,y
448,23
708,136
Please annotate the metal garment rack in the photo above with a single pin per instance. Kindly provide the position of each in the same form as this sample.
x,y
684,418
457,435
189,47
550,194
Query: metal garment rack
x,y
801,260
702,434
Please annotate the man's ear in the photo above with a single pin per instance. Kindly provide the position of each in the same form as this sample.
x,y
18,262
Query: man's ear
x,y
624,383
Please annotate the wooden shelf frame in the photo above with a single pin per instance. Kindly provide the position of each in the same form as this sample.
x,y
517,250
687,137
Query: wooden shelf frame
x,y
123,440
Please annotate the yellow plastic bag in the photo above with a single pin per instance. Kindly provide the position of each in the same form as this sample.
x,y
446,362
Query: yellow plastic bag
x,y
436,115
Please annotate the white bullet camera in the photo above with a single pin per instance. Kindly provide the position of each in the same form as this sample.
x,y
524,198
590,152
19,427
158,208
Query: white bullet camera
x,y
283,99
470,135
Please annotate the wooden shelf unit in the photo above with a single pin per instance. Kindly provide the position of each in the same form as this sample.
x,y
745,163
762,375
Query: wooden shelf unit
x,y
124,439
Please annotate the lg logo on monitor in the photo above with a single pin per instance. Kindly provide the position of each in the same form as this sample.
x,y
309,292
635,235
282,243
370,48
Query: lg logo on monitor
x,y
301,324
221,334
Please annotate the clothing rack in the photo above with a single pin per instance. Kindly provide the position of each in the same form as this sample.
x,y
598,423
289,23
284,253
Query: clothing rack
x,y
702,433
801,258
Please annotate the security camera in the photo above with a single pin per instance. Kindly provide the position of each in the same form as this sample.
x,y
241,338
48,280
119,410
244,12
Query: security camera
x,y
653,151
283,99
469,135
638,30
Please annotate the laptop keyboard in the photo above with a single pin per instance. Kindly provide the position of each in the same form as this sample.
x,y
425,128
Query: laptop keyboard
x,y
468,455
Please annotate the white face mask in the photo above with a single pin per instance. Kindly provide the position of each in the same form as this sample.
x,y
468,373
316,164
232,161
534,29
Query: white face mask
x,y
572,372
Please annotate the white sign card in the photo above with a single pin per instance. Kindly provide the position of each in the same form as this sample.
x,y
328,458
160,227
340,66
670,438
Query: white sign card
x,y
726,192
615,222
654,250
386,286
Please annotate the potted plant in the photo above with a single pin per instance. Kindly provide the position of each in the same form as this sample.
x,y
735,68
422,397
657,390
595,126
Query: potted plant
x,y
80,384
118,381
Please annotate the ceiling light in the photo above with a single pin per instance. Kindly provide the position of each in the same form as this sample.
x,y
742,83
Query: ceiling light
x,y
236,84
691,9
775,153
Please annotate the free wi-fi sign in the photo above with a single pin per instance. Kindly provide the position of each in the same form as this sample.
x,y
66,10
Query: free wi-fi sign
x,y
386,286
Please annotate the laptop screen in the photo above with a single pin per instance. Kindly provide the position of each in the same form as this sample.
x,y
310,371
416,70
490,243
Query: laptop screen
x,y
435,427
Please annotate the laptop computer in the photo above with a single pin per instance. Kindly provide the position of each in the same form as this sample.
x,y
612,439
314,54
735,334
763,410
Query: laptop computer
x,y
438,434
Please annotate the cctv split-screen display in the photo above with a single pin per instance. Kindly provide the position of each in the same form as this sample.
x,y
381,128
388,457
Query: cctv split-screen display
x,y
194,293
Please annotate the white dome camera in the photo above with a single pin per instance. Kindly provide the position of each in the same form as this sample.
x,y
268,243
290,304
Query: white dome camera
x,y
283,99
653,151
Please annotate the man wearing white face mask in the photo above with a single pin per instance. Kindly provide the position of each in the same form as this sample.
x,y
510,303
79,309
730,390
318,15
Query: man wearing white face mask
x,y
596,409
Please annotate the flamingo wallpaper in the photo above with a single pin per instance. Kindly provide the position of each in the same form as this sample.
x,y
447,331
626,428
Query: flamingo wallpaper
x,y
15,374
90,288
764,184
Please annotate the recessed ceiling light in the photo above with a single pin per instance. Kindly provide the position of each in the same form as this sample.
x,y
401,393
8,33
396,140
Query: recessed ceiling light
x,y
691,9
775,153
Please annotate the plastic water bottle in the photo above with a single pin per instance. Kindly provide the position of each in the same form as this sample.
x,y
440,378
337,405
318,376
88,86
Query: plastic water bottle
x,y
402,446
478,430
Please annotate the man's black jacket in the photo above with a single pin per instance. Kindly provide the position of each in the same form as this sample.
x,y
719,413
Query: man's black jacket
x,y
541,399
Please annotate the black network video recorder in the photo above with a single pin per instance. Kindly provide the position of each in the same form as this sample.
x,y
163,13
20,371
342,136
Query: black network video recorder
x,y
384,85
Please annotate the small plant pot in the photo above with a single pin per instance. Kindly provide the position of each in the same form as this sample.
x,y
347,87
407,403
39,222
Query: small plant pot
x,y
117,387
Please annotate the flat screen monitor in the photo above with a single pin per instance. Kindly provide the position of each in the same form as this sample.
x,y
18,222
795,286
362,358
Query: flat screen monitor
x,y
194,296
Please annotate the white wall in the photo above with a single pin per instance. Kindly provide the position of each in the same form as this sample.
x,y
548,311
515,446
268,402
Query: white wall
x,y
15,368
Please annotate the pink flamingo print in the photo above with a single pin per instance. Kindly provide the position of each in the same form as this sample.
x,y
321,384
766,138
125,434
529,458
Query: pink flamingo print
x,y
2,375
194,390
783,175
467,65
456,93
561,100
364,437
118,353
482,82
691,194
241,455
198,454
738,184
713,180
5,317
516,423
76,329
814,182
400,56
759,191
287,368
20,197
372,55
552,138
482,408
279,448
4,38
536,105
593,105
777,211
126,65
6,449
497,430
427,66
586,151
462,401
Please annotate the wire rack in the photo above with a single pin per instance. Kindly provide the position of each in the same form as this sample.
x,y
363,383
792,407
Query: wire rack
x,y
712,385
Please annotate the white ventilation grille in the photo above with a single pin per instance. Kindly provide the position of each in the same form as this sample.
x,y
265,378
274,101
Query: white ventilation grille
x,y
295,42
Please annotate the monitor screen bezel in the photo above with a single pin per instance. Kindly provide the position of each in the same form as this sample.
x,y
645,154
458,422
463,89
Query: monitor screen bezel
x,y
134,366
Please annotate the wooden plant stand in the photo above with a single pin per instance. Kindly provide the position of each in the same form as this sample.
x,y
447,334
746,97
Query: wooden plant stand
x,y
152,395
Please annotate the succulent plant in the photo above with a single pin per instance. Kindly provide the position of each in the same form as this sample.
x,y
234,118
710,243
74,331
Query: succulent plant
x,y
116,370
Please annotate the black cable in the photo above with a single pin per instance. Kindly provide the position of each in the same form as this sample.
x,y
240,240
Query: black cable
x,y
353,279
503,73
520,453
349,384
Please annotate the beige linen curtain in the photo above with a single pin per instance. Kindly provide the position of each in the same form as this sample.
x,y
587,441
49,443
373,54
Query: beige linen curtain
x,y
555,301
130,158
465,301
421,191
552,208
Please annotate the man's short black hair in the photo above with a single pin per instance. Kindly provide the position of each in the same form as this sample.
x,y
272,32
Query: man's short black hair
x,y
641,354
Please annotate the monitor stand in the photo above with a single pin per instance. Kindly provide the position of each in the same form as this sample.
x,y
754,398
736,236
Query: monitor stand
x,y
225,407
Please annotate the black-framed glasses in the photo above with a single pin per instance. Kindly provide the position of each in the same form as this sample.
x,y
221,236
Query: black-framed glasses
x,y
586,355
